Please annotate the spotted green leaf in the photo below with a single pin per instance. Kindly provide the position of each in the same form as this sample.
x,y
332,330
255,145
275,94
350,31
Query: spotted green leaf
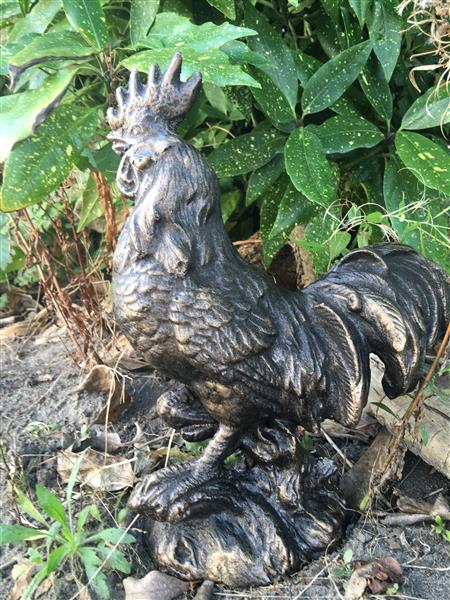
x,y
322,227
269,210
240,54
177,32
331,7
429,162
246,152
294,208
91,207
279,66
207,36
328,33
361,9
142,15
338,243
331,80
213,64
376,89
9,49
10,8
385,33
36,21
261,179
169,26
228,203
308,167
22,113
429,110
226,7
344,134
88,18
306,65
67,45
36,166
270,99
418,215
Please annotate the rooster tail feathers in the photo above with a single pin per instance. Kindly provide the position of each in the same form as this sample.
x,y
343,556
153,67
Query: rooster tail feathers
x,y
404,302
347,369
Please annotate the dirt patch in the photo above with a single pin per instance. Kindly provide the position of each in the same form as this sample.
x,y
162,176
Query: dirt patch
x,y
42,413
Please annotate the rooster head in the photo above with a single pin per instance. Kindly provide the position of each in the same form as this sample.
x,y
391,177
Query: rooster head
x,y
143,125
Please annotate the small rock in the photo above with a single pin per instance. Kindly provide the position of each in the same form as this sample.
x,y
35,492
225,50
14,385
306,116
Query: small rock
x,y
154,586
205,591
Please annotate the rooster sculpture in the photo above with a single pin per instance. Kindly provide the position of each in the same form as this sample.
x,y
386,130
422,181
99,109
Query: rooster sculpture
x,y
250,356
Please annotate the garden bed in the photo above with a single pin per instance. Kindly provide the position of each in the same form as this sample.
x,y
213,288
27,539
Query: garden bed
x,y
45,411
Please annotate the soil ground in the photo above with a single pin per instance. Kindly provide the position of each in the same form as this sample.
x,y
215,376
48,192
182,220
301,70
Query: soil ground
x,y
42,413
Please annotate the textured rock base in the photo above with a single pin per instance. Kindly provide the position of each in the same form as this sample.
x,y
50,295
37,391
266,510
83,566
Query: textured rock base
x,y
253,525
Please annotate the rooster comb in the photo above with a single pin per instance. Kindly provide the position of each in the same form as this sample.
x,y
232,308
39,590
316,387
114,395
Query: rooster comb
x,y
164,98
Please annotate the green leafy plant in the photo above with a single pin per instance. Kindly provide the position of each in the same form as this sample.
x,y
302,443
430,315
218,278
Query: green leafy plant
x,y
440,528
345,569
197,448
307,114
61,537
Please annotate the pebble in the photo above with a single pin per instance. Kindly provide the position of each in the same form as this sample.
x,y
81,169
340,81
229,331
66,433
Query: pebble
x,y
154,586
205,591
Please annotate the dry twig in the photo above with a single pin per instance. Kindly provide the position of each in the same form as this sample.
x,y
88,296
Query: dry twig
x,y
392,459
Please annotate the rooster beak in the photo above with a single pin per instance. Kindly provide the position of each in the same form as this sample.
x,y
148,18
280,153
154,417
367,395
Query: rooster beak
x,y
118,144
142,155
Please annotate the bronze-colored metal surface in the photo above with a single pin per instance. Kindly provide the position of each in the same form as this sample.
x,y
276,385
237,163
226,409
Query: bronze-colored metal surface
x,y
253,360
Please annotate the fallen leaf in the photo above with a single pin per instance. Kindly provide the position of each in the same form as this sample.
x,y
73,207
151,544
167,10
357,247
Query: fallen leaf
x,y
19,329
105,379
43,588
377,575
154,586
441,507
123,356
26,571
356,483
52,333
98,470
34,322
356,586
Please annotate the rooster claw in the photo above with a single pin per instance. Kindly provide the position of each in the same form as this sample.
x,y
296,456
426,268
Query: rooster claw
x,y
166,494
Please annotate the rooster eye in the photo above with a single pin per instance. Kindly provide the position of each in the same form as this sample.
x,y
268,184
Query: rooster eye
x,y
136,130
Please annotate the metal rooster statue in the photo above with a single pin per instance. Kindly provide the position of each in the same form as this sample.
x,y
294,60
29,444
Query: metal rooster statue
x,y
253,360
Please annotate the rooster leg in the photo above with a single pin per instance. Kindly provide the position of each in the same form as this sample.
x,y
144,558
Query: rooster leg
x,y
181,409
167,494
222,445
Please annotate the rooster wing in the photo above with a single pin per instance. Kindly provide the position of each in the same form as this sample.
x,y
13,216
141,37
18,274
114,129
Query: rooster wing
x,y
217,332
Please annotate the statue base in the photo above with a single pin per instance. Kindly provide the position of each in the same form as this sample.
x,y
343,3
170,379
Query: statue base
x,y
253,524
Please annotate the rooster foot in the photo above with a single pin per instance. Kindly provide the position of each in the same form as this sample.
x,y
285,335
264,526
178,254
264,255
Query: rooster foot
x,y
167,494
181,409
